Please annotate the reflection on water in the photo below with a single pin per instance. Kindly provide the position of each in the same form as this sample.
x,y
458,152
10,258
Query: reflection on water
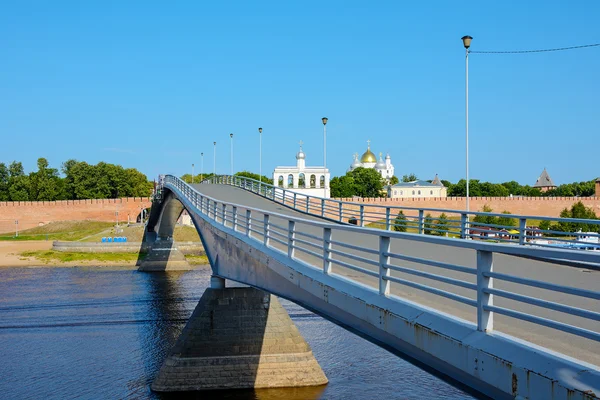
x,y
98,333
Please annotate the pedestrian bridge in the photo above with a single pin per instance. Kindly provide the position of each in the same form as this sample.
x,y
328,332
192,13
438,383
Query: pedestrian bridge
x,y
509,321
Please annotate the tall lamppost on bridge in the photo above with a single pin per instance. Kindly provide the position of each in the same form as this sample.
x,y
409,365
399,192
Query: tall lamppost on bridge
x,y
259,157
467,43
192,173
231,152
201,167
214,159
324,119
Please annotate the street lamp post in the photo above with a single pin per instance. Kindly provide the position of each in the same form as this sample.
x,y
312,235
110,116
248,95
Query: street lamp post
x,y
201,167
214,159
467,43
259,158
192,174
231,152
324,119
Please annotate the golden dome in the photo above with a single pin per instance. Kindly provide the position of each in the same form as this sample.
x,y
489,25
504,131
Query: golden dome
x,y
368,157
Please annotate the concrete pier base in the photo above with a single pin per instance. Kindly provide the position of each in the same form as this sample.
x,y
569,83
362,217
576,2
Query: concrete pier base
x,y
239,338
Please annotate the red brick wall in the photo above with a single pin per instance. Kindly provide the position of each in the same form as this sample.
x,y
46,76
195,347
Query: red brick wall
x,y
535,206
33,213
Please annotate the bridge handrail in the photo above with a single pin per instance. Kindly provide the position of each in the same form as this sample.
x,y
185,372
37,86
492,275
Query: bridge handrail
x,y
229,216
465,228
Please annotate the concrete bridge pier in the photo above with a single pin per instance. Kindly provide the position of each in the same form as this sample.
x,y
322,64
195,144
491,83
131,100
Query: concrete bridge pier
x,y
238,338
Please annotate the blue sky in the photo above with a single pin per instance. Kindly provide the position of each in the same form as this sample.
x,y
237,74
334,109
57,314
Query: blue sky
x,y
151,85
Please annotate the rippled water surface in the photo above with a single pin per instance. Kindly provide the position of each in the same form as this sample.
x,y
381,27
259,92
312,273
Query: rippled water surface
x,y
97,333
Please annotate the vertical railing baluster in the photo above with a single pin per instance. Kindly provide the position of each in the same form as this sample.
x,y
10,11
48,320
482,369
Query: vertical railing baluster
x,y
388,221
291,238
322,207
384,262
215,205
266,230
463,226
224,213
234,218
326,250
248,222
421,212
522,231
485,265
362,215
341,213
294,200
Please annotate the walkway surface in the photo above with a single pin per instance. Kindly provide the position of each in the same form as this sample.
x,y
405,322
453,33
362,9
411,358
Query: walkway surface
x,y
571,345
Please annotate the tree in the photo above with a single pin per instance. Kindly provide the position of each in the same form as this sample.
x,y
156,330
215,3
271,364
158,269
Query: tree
x,y
44,184
252,175
400,222
579,211
428,226
409,178
18,182
4,176
506,221
367,182
394,180
485,219
342,186
442,225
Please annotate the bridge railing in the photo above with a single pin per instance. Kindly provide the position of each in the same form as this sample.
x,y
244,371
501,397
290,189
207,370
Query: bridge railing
x,y
380,260
572,233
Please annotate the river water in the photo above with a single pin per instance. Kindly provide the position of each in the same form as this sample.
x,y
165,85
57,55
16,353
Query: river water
x,y
94,333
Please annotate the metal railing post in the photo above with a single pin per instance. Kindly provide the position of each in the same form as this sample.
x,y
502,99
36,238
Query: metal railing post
x,y
307,204
266,229
291,238
485,318
388,221
248,222
294,200
463,226
362,215
215,210
322,207
522,231
384,261
234,219
341,211
421,212
223,213
326,250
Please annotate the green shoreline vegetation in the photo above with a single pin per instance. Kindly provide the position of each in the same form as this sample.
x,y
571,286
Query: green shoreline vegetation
x,y
52,256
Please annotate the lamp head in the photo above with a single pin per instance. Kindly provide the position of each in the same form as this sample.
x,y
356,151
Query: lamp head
x,y
324,119
215,143
259,130
231,135
467,41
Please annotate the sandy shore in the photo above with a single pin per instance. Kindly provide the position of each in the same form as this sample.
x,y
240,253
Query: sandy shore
x,y
9,256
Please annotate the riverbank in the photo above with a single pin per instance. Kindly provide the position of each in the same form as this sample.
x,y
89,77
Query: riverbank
x,y
39,253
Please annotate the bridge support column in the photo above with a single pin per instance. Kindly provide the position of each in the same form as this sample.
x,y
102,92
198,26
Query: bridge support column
x,y
238,338
216,282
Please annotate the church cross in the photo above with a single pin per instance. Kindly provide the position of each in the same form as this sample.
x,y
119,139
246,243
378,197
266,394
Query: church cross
x,y
368,143
301,143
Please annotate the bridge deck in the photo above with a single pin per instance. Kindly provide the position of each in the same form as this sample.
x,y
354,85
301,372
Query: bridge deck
x,y
577,347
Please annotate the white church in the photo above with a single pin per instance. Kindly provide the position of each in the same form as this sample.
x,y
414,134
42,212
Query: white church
x,y
313,181
368,160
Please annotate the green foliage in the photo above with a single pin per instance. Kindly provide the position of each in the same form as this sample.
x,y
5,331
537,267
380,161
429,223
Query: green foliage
x,y
394,180
409,178
442,224
400,222
187,178
485,219
428,227
257,177
81,181
580,211
544,225
362,182
581,189
506,221
488,189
